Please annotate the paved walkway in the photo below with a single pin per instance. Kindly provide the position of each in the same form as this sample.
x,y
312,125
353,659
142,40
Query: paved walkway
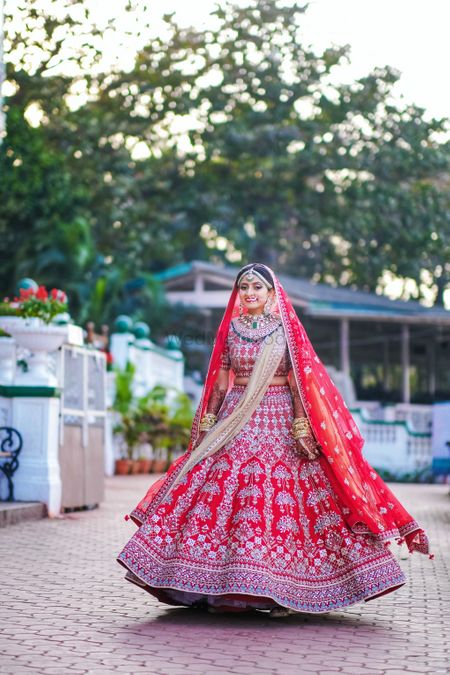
x,y
64,608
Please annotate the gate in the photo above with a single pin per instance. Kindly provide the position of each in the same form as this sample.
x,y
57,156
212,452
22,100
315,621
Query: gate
x,y
82,426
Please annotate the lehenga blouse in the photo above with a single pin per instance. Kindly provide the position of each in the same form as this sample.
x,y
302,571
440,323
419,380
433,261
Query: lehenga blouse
x,y
243,346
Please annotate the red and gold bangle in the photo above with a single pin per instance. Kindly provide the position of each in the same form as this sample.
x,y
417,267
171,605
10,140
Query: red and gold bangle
x,y
207,422
301,428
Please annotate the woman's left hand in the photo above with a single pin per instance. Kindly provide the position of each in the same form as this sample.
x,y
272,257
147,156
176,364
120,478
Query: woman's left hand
x,y
308,447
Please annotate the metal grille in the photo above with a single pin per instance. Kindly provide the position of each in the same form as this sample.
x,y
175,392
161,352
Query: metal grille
x,y
83,384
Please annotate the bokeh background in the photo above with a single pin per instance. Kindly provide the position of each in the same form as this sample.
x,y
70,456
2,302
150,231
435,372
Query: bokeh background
x,y
141,135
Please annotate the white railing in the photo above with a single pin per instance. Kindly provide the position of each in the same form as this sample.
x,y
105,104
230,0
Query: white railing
x,y
154,365
418,417
394,445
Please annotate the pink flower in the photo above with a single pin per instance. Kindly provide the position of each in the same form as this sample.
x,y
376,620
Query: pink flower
x,y
25,293
57,294
41,293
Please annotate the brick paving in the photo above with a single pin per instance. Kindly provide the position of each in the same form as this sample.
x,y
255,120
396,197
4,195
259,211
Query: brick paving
x,y
65,608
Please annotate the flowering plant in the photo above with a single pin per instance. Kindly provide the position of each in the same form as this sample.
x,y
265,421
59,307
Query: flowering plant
x,y
37,303
109,360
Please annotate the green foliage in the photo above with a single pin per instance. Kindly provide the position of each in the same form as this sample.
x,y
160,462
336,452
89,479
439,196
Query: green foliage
x,y
328,181
163,417
42,309
174,408
124,389
7,310
423,475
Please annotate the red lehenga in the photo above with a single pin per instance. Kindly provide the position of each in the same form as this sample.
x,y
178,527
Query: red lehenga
x,y
255,524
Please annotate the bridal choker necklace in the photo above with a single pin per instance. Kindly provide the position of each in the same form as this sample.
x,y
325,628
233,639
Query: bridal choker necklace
x,y
256,321
249,334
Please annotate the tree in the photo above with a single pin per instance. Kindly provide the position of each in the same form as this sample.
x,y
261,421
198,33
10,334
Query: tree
x,y
332,182
226,143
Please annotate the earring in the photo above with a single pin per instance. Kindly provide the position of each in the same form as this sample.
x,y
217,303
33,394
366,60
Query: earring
x,y
241,309
268,306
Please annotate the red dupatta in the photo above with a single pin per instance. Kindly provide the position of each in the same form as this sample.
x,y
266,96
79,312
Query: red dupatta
x,y
369,506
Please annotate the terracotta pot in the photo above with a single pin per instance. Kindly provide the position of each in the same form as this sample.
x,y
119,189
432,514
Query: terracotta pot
x,y
122,467
135,466
145,465
159,465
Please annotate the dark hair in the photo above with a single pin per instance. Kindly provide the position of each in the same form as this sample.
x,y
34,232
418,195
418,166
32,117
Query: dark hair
x,y
261,269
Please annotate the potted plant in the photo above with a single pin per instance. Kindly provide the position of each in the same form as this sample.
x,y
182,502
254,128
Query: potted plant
x,y
155,429
122,466
145,458
166,418
161,459
145,464
129,434
27,319
157,423
123,398
181,423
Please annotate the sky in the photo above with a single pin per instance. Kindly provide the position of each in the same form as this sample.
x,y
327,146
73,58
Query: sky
x,y
410,35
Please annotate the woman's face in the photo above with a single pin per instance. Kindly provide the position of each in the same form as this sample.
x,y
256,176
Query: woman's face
x,y
253,295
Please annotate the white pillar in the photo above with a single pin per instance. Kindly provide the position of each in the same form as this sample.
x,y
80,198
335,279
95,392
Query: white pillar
x,y
120,348
431,348
345,346
38,477
386,364
406,392
199,289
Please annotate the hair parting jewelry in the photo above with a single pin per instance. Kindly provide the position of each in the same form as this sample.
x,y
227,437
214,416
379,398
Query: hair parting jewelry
x,y
250,274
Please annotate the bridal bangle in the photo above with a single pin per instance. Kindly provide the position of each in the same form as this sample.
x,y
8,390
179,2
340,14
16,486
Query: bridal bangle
x,y
208,421
301,428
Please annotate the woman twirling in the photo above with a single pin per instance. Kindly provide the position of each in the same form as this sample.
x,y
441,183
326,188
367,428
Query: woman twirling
x,y
273,505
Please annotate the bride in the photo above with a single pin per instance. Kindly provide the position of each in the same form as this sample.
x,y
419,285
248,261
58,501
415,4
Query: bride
x,y
273,506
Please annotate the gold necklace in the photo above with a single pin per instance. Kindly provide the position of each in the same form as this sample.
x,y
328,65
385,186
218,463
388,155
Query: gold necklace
x,y
256,321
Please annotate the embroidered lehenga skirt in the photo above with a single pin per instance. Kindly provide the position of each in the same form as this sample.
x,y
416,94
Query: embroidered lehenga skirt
x,y
256,526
